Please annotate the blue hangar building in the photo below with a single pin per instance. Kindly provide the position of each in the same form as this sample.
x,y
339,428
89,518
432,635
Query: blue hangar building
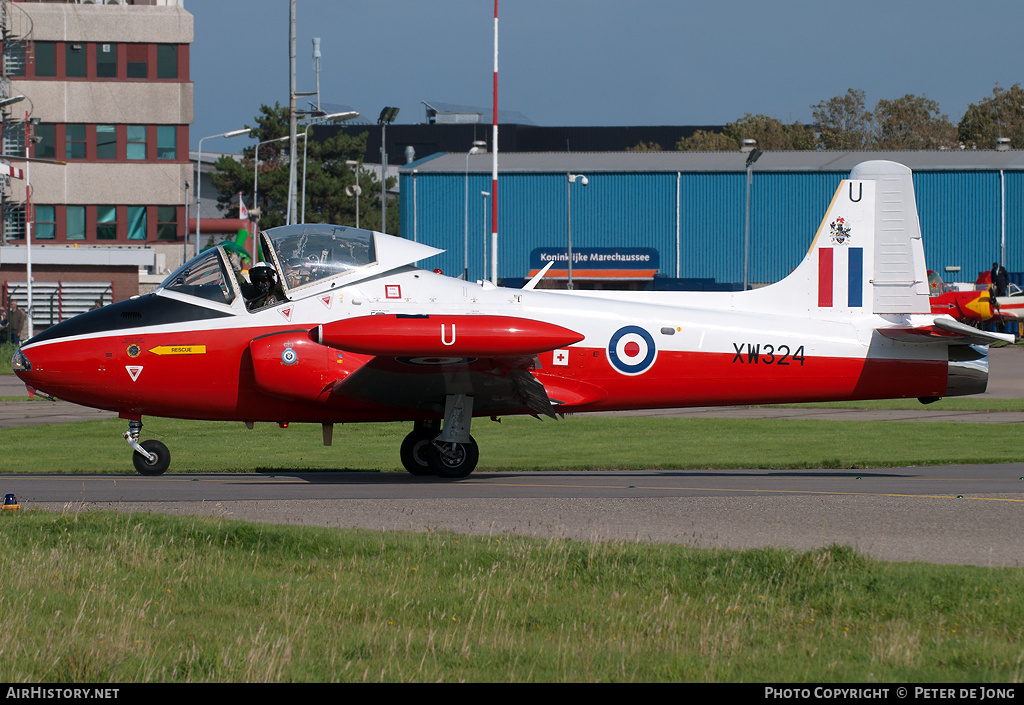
x,y
650,219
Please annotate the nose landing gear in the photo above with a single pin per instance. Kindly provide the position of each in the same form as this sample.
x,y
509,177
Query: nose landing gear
x,y
150,457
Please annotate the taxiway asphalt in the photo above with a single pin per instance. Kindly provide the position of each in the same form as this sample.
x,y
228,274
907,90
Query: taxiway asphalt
x,y
966,515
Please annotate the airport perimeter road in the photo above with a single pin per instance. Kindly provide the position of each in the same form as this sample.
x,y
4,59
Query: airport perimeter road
x,y
969,515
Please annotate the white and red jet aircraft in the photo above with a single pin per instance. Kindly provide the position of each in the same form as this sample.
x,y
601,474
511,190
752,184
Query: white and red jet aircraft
x,y
360,334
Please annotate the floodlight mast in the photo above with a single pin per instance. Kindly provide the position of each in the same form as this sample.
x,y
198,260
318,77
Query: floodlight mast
x,y
293,118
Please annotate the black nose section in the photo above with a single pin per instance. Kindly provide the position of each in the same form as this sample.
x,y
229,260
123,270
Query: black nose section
x,y
148,310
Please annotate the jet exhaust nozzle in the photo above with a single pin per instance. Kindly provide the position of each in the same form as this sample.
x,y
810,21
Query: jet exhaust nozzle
x,y
968,370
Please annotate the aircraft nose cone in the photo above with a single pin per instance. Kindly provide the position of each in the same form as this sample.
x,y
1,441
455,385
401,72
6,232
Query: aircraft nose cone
x,y
20,363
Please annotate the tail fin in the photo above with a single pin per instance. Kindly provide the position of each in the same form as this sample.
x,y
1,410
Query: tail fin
x,y
867,256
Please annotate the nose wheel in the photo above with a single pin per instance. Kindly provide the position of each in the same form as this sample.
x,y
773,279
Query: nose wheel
x,y
150,457
158,461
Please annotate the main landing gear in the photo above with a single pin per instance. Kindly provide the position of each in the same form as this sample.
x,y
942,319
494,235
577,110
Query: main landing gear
x,y
150,457
451,453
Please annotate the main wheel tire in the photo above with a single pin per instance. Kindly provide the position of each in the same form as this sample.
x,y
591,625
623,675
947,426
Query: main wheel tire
x,y
157,466
414,453
453,460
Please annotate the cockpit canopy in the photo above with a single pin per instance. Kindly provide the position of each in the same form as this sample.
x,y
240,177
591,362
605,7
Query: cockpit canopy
x,y
308,254
205,276
308,258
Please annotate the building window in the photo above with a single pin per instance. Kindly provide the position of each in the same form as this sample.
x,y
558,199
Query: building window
x,y
106,142
167,223
45,59
74,143
46,223
138,60
136,222
167,61
76,222
46,147
106,61
167,142
106,222
136,142
74,61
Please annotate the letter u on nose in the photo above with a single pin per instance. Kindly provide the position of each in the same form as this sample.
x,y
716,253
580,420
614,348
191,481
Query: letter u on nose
x,y
448,342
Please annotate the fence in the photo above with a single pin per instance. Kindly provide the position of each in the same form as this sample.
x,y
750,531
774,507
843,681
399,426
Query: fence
x,y
54,302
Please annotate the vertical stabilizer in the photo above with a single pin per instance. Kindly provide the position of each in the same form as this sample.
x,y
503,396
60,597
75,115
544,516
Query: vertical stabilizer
x,y
867,256
900,282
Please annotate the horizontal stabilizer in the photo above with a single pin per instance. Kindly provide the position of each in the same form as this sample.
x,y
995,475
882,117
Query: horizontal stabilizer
x,y
947,330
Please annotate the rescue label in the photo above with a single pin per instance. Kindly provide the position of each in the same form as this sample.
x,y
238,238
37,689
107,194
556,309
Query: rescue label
x,y
179,350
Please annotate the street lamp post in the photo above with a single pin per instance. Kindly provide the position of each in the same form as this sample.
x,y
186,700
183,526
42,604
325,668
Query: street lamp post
x,y
199,183
568,191
752,157
485,194
333,117
354,190
256,170
387,116
478,147
30,313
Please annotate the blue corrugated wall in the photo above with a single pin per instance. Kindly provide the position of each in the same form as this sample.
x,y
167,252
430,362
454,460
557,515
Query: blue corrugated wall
x,y
960,219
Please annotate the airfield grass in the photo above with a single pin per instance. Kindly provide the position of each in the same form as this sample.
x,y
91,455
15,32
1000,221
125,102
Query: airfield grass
x,y
518,444
91,597
117,597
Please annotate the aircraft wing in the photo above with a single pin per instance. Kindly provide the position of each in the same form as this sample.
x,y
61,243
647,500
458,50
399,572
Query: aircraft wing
x,y
498,386
420,359
945,329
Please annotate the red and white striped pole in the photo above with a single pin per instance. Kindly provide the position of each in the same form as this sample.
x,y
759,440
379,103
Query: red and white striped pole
x,y
494,160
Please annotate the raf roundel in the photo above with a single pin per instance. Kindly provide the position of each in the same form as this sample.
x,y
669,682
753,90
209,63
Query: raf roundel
x,y
631,350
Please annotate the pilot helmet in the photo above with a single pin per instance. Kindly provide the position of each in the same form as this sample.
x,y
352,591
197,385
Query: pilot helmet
x,y
263,276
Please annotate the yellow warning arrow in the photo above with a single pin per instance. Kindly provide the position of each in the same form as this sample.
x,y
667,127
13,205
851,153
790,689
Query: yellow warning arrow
x,y
179,350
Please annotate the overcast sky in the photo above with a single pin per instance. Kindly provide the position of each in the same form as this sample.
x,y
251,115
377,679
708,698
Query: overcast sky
x,y
600,62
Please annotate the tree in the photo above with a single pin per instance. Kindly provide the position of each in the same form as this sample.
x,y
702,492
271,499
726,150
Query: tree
x,y
912,122
770,133
327,177
842,122
1001,115
645,147
707,141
